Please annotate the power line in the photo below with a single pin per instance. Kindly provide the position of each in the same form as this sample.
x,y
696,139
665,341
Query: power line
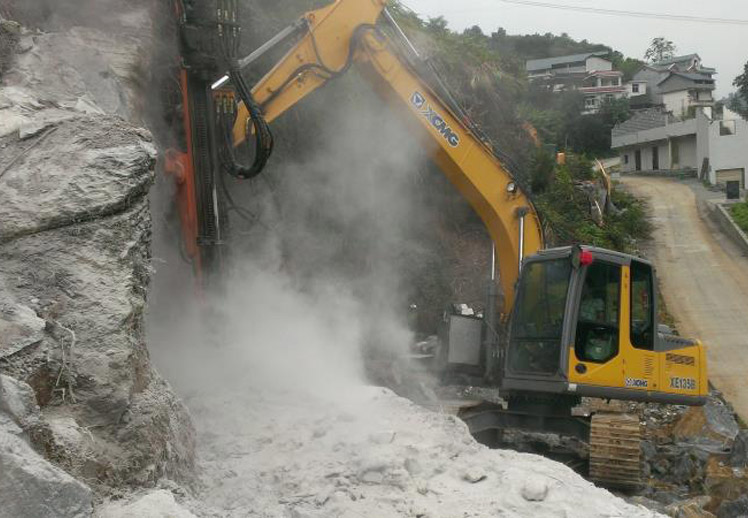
x,y
635,14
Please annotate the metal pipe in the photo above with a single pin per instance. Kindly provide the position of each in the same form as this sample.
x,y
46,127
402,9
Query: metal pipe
x,y
288,32
493,261
400,32
491,350
521,240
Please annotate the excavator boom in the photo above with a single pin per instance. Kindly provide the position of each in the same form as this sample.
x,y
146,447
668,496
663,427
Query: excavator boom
x,y
345,33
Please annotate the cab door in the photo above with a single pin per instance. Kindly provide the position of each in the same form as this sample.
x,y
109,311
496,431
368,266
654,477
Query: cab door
x,y
639,324
595,356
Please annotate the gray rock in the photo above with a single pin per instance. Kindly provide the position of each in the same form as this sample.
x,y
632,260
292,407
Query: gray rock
x,y
88,168
721,419
152,504
683,469
649,450
735,509
17,399
535,489
739,454
31,487
75,234
648,503
20,327
691,508
666,497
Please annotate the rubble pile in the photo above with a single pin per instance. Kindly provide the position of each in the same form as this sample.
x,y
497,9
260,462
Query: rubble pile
x,y
363,451
694,459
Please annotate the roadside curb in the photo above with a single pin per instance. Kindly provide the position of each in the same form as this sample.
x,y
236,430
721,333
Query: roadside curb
x,y
720,215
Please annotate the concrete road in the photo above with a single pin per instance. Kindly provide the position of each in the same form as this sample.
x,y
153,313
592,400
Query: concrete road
x,y
704,279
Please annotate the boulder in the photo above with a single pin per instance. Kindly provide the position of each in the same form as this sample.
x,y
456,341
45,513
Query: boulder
x,y
739,454
31,487
734,509
714,422
20,327
17,400
725,482
86,168
693,508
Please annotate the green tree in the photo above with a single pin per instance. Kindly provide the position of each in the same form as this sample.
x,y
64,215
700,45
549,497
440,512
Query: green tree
x,y
437,25
628,66
739,102
659,49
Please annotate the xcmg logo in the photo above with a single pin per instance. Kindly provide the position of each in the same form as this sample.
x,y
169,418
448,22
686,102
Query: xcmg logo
x,y
436,120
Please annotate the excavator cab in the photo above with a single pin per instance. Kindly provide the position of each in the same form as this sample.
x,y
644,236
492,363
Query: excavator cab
x,y
585,324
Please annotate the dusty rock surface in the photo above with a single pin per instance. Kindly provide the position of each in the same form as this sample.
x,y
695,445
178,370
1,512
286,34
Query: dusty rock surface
x,y
75,236
152,504
30,485
371,453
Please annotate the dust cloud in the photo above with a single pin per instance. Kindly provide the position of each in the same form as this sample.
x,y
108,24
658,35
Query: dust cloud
x,y
318,290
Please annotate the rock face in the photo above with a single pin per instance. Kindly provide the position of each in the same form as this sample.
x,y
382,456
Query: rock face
x,y
75,235
31,487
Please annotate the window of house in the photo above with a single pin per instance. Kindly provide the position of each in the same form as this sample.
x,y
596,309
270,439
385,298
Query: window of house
x,y
727,128
635,88
597,326
589,102
642,306
675,151
625,159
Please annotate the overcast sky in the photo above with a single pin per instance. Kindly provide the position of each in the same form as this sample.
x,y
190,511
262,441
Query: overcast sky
x,y
724,47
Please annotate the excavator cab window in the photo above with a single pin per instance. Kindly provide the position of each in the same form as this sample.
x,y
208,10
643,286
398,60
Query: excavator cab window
x,y
597,333
642,306
538,322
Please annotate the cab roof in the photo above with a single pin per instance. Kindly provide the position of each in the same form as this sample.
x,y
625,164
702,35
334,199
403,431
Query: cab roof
x,y
599,253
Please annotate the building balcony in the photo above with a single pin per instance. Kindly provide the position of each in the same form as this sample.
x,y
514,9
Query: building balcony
x,y
603,89
692,101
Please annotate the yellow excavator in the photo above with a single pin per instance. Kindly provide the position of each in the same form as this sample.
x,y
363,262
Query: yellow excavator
x,y
581,321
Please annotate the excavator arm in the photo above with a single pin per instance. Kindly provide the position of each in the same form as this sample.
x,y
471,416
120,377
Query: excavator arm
x,y
345,33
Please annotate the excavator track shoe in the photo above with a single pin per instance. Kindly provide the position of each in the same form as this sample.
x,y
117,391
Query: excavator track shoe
x,y
615,451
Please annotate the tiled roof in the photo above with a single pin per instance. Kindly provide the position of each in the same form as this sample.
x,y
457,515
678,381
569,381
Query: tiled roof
x,y
546,63
687,75
675,59
642,121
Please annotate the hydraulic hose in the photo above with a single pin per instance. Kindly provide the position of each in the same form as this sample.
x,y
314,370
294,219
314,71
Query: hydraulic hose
x,y
229,32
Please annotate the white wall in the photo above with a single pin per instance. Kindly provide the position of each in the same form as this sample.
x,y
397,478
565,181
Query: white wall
x,y
702,139
647,155
594,63
728,151
642,88
676,102
687,154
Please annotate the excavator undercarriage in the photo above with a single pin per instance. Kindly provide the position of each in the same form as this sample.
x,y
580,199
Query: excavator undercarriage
x,y
612,457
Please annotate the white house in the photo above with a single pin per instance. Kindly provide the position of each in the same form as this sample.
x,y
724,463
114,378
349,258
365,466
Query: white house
x,y
680,84
601,85
653,140
590,73
576,66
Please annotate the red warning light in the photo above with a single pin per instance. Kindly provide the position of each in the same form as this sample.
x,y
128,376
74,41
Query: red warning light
x,y
586,258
